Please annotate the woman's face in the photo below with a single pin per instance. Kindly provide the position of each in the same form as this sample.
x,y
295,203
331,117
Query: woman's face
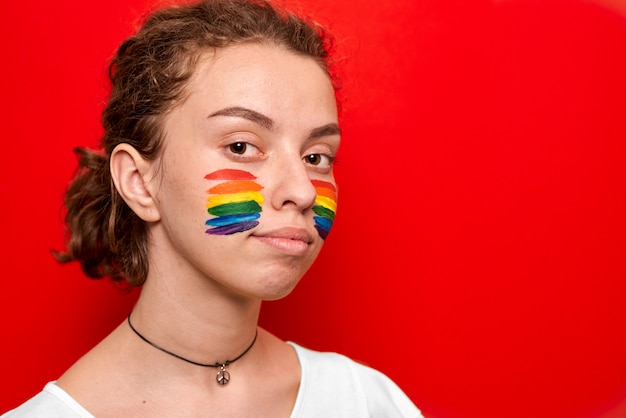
x,y
244,185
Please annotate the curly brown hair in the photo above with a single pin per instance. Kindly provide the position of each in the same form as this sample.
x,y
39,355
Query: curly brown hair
x,y
148,77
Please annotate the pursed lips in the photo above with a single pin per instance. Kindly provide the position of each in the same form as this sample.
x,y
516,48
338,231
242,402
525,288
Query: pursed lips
x,y
290,240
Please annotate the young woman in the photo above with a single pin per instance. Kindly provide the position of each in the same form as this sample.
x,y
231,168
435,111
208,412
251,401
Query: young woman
x,y
214,191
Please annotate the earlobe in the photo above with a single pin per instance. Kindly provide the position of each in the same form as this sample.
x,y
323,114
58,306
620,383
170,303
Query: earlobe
x,y
129,171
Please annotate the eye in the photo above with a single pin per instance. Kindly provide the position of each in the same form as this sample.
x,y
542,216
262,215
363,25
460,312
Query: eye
x,y
238,147
313,159
243,151
322,160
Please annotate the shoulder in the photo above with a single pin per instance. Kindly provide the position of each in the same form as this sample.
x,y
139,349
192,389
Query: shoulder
x,y
51,402
334,382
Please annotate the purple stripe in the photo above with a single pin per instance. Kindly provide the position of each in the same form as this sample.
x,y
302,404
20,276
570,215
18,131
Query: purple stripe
x,y
323,232
232,229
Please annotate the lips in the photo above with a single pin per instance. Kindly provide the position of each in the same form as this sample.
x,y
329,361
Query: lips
x,y
293,241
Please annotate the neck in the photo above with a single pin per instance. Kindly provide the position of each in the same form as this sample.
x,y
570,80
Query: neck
x,y
198,322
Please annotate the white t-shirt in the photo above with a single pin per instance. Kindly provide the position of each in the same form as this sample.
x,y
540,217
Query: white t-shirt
x,y
331,385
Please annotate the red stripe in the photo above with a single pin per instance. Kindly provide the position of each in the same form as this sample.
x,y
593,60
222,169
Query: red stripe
x,y
229,174
325,184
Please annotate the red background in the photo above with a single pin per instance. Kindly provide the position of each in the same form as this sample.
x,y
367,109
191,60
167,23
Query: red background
x,y
479,253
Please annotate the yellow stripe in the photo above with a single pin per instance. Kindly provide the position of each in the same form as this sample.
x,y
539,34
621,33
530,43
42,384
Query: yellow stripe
x,y
233,198
326,202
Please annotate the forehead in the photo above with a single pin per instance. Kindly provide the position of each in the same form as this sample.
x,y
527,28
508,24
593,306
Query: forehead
x,y
261,75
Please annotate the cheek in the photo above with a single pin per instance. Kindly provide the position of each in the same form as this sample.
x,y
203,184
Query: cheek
x,y
234,202
325,206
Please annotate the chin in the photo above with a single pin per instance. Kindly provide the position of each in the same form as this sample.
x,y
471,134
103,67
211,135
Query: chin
x,y
277,291
277,295
279,285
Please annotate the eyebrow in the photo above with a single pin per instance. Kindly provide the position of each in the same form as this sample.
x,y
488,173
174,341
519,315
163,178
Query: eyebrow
x,y
249,114
326,130
267,123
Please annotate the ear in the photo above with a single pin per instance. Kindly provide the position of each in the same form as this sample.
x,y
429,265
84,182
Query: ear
x,y
131,174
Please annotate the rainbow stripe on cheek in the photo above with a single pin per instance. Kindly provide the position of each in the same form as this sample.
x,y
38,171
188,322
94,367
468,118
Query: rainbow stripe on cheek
x,y
235,203
325,206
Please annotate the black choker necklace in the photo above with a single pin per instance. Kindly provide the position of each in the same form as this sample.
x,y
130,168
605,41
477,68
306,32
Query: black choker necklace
x,y
223,377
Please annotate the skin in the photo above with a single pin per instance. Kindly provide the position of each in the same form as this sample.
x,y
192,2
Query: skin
x,y
203,293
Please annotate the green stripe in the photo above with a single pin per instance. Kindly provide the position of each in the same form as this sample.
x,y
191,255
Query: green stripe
x,y
322,211
237,208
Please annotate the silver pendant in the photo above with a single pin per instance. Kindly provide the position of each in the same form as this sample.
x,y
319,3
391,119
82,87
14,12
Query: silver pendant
x,y
223,377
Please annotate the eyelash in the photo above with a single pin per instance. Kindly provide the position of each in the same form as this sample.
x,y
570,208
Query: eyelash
x,y
240,148
235,144
331,159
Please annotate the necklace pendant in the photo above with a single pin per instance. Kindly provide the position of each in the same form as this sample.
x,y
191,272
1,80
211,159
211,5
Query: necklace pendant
x,y
223,377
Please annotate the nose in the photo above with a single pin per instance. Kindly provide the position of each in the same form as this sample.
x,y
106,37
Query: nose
x,y
291,184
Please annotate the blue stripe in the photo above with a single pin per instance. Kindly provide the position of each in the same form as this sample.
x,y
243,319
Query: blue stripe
x,y
323,223
232,219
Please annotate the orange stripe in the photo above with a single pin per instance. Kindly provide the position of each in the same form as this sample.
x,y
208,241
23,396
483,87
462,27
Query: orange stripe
x,y
323,191
235,186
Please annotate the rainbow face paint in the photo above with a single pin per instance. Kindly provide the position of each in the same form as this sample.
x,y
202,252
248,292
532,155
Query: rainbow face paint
x,y
235,203
325,206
